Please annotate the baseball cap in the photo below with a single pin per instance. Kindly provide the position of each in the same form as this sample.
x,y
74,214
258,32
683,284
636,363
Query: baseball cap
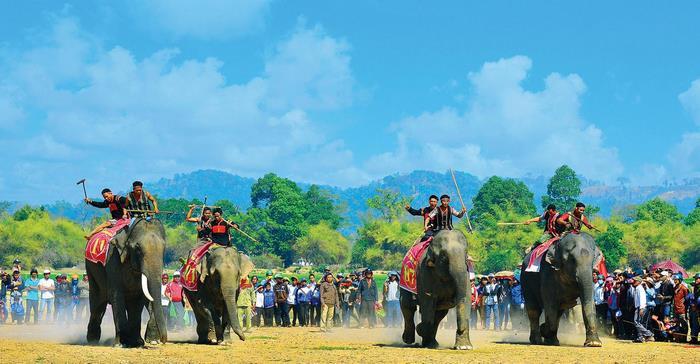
x,y
268,273
697,276
278,275
664,273
46,271
176,274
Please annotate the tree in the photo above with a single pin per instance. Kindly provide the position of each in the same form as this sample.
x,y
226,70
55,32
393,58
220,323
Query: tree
x,y
610,243
499,194
388,204
323,245
320,207
657,210
178,205
563,189
694,216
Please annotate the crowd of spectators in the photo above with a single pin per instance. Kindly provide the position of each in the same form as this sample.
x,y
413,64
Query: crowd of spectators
x,y
639,306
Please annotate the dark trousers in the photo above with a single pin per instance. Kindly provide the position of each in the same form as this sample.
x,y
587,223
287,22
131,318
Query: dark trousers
x,y
267,316
368,313
258,315
32,305
282,314
315,315
303,313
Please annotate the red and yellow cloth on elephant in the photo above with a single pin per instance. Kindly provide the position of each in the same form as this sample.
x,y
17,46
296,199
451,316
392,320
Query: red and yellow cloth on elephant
x,y
190,277
538,253
409,267
97,247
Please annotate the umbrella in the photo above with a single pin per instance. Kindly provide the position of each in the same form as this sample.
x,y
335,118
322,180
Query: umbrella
x,y
669,264
504,274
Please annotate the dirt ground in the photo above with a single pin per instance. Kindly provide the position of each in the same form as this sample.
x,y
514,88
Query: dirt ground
x,y
65,344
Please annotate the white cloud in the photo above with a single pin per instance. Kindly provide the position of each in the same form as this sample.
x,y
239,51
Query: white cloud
x,y
113,117
505,130
204,19
690,99
684,158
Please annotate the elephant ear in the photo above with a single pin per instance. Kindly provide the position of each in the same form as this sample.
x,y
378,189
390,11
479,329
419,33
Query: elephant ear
x,y
202,270
119,241
245,265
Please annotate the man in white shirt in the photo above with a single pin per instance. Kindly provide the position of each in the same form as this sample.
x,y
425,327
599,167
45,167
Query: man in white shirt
x,y
391,295
164,300
640,314
47,286
259,305
292,301
491,291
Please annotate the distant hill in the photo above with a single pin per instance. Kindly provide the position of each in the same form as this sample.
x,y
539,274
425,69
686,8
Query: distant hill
x,y
417,184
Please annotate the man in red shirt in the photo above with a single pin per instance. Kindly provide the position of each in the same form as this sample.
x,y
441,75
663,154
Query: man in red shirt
x,y
573,221
173,291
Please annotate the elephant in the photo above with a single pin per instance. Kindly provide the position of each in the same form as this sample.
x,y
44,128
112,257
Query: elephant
x,y
129,280
442,283
562,279
214,303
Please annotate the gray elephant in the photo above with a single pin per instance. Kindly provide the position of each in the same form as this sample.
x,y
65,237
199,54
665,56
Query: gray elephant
x,y
442,283
564,277
214,302
129,280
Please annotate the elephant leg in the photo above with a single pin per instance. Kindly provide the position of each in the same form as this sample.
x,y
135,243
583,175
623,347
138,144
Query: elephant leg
x,y
589,317
205,324
429,340
462,341
152,331
134,307
552,316
408,310
533,314
427,322
121,327
218,323
98,305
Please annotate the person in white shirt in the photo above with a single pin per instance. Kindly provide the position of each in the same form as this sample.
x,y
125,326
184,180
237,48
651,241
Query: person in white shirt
x,y
391,295
259,305
640,312
164,300
47,286
292,301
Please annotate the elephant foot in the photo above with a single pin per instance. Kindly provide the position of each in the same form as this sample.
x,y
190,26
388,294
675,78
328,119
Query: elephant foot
x,y
593,342
432,344
421,329
551,341
464,347
409,337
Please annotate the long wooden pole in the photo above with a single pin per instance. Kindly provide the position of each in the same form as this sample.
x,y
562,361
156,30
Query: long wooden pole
x,y
469,223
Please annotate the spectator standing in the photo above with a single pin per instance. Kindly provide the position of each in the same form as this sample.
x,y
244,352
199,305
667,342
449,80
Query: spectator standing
x,y
303,299
259,305
491,292
4,282
268,304
245,303
164,300
47,289
32,286
329,302
281,291
62,303
391,296
473,316
695,311
16,307
368,299
173,291
481,306
666,293
189,313
640,313
75,299
315,306
504,297
292,311
601,305
679,310
517,307
84,299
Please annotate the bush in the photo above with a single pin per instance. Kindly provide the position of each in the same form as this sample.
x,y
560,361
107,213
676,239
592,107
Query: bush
x,y
267,261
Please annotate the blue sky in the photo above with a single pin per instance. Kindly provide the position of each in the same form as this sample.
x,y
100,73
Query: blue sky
x,y
344,92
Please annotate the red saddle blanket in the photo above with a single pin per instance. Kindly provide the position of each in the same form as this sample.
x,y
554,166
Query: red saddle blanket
x,y
409,266
190,278
98,246
538,253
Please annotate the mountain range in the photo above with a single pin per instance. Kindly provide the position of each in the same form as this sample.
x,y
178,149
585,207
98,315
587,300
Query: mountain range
x,y
418,185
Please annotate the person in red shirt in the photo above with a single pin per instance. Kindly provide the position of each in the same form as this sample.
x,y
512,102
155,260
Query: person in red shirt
x,y
173,291
574,220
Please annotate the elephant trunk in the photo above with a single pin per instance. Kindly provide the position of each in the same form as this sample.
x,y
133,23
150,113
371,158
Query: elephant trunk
x,y
161,324
232,309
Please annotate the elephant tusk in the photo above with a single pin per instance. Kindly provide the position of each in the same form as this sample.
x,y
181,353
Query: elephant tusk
x,y
144,287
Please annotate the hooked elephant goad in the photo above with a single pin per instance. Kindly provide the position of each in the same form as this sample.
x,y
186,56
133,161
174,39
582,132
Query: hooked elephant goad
x,y
561,280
